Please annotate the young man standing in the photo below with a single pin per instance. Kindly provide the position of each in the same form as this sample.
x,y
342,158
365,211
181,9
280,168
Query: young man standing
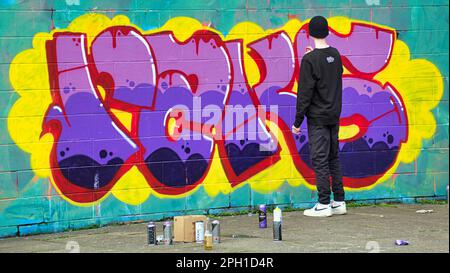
x,y
319,98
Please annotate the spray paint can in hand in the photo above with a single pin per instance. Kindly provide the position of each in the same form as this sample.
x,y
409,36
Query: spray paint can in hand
x,y
199,232
215,231
151,234
277,224
167,231
262,215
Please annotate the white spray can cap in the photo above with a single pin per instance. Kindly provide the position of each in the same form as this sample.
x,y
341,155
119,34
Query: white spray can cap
x,y
277,214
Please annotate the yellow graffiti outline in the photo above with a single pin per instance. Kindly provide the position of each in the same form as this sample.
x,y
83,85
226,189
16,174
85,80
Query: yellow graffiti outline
x,y
29,78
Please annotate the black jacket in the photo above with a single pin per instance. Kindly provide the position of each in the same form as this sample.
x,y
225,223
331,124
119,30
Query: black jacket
x,y
319,95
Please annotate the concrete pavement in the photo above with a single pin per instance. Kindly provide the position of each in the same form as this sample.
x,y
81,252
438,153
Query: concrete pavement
x,y
363,229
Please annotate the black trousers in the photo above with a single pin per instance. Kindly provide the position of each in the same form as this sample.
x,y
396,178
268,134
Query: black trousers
x,y
324,153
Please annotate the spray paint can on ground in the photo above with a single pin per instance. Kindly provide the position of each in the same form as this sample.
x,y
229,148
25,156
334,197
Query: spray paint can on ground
x,y
262,215
151,234
215,227
167,231
199,232
208,240
277,224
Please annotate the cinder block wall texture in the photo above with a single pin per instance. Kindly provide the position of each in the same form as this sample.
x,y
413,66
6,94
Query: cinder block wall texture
x,y
115,111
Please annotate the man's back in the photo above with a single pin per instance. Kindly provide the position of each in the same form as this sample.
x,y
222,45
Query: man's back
x,y
319,97
325,67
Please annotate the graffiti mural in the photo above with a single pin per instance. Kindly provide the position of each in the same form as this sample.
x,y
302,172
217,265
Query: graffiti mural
x,y
170,109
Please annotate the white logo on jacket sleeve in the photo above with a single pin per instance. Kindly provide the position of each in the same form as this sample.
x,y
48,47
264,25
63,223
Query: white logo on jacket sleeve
x,y
330,59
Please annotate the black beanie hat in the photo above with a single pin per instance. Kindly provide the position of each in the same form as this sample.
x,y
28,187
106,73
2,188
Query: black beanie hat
x,y
318,27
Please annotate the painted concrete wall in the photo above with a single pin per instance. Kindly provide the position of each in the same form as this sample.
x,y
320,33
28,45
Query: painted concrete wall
x,y
116,111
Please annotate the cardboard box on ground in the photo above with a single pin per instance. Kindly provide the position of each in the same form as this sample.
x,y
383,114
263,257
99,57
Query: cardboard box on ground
x,y
184,227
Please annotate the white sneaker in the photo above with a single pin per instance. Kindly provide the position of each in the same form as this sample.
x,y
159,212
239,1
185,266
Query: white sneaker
x,y
338,208
319,210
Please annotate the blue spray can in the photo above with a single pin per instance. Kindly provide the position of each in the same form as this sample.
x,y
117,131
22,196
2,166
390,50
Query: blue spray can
x,y
151,234
262,215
